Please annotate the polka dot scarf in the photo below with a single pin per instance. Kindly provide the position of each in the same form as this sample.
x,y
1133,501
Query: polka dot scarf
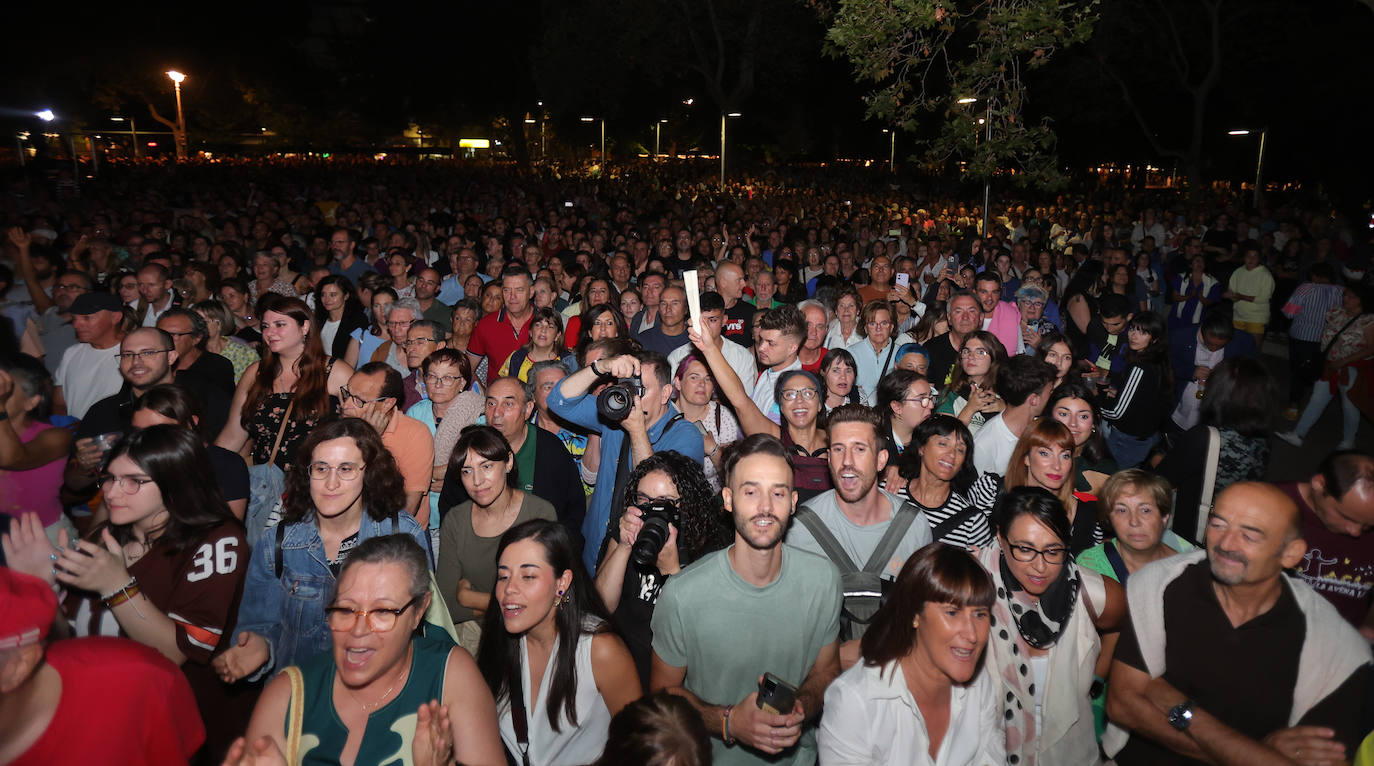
x,y
1018,625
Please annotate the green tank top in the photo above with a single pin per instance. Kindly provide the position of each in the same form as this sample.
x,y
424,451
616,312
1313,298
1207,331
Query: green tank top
x,y
390,728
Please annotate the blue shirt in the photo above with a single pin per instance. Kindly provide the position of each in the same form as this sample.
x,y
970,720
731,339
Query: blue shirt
x,y
354,272
680,437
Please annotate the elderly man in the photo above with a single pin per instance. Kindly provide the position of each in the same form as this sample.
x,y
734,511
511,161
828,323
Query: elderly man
x,y
196,367
397,318
88,372
1228,661
813,349
543,465
422,339
373,393
965,316
501,332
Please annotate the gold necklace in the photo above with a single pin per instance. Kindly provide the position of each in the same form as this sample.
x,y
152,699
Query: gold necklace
x,y
381,700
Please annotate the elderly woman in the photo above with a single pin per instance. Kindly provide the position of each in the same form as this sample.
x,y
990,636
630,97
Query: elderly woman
x,y
266,278
921,696
217,318
1048,613
1031,300
385,691
876,354
449,408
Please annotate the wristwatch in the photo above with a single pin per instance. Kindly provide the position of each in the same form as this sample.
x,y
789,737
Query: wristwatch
x,y
1181,715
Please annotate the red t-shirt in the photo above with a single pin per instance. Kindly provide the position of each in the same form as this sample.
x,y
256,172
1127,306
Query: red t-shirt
x,y
122,703
815,367
1339,567
495,338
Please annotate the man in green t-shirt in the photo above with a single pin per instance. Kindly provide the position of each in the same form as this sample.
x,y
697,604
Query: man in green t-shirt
x,y
756,607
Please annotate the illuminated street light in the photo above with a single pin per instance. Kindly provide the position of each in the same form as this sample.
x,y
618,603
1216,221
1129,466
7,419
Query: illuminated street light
x,y
1259,162
603,135
46,115
177,78
987,182
1241,132
967,100
133,131
892,158
722,146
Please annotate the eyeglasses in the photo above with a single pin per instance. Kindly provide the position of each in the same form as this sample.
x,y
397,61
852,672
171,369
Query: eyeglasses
x,y
146,356
641,501
925,400
73,288
342,619
1026,554
345,471
441,380
400,323
877,323
807,394
129,485
413,342
968,352
348,396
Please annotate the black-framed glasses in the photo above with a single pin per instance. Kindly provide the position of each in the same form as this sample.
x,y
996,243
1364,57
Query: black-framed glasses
x,y
341,619
129,485
1026,554
146,356
348,396
441,380
413,342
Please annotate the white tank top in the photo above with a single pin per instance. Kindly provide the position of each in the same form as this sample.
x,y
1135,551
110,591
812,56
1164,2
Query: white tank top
x,y
572,744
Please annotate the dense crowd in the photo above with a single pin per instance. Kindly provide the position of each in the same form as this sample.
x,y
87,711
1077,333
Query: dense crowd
x,y
362,463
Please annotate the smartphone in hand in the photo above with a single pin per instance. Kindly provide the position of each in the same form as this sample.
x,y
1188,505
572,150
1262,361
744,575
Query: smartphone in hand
x,y
776,695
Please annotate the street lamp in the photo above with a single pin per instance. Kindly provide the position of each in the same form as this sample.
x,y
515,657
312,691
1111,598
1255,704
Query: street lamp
x,y
46,115
987,180
177,78
1259,163
133,130
658,135
722,146
892,157
603,136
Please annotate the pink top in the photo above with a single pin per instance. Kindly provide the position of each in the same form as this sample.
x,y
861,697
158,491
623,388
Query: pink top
x,y
35,489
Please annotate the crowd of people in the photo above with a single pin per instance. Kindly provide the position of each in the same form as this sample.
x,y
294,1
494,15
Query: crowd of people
x,y
408,464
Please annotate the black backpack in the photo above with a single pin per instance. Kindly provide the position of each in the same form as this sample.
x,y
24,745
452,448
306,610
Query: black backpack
x,y
864,589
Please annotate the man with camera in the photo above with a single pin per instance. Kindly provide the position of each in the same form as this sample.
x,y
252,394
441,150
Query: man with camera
x,y
635,420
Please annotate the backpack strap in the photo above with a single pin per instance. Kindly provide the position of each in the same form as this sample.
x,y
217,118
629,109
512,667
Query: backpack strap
x,y
896,530
1114,558
826,540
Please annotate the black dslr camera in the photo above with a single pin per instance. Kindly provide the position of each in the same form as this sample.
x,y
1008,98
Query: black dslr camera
x,y
614,401
658,514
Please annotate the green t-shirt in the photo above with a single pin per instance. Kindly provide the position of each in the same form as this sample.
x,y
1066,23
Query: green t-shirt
x,y
727,633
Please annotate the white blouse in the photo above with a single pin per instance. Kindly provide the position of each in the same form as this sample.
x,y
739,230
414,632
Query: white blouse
x,y
870,717
582,743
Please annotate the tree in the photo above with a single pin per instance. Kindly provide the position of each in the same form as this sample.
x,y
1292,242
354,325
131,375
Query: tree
x,y
925,57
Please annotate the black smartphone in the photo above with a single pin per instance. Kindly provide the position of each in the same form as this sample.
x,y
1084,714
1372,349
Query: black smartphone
x,y
776,695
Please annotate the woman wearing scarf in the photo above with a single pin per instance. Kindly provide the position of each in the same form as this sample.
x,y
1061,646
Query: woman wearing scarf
x,y
1044,641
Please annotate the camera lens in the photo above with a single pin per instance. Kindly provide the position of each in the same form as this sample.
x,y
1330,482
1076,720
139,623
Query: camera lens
x,y
652,537
614,402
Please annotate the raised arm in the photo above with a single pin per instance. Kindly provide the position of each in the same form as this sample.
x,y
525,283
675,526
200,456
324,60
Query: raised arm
x,y
751,419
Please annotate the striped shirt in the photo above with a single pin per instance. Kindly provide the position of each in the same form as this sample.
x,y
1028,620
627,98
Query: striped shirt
x,y
977,528
1308,308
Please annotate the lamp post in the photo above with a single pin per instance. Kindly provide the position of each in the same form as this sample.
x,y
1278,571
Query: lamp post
x,y
133,130
603,136
892,156
658,136
1259,162
722,146
177,78
987,180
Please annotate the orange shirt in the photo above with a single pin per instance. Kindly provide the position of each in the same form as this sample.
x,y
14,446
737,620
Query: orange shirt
x,y
410,443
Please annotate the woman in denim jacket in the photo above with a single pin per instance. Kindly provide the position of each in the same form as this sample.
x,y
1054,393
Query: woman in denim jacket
x,y
344,488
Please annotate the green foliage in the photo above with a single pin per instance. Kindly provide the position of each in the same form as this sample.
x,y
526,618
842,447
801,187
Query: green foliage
x,y
923,56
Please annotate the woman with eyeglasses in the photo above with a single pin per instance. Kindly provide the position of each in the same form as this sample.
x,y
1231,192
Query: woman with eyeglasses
x,y
446,411
167,569
548,653
800,398
385,693
938,476
669,492
344,489
545,345
970,395
905,399
466,570
1044,458
876,354
1045,645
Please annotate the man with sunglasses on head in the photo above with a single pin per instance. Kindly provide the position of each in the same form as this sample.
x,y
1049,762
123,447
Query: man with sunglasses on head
x,y
374,393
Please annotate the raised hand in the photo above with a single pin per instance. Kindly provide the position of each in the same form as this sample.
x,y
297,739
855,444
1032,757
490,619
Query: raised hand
x,y
433,743
28,550
263,752
248,654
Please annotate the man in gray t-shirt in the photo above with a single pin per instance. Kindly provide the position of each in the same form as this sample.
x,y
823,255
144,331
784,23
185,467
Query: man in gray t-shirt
x,y
856,512
756,607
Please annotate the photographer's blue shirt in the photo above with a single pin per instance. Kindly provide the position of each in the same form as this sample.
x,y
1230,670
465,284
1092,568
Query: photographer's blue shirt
x,y
681,437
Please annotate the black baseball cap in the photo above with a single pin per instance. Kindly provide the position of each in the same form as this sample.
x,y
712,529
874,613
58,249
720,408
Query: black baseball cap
x,y
89,303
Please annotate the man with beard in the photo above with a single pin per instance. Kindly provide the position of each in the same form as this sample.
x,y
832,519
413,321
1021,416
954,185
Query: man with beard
x,y
1226,660
780,335
856,525
757,607
427,284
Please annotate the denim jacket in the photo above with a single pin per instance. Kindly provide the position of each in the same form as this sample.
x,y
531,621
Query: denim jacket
x,y
288,612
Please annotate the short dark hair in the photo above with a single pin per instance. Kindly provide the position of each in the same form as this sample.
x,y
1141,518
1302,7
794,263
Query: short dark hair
x,y
909,464
989,275
1113,305
392,549
452,356
712,301
787,318
436,331
753,444
1036,502
1218,325
1021,376
393,387
657,730
173,401
857,413
937,573
487,442
657,362
1241,395
1343,469
892,388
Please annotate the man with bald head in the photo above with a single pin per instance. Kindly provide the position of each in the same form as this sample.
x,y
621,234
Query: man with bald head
x,y
739,313
1227,660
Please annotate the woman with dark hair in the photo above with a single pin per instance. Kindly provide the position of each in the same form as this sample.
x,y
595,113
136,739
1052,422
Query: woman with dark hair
x,y
1055,349
440,712
548,653
924,646
545,345
33,452
1121,281
596,323
942,482
838,379
669,487
371,336
1072,404
234,292
1048,613
167,569
1044,458
595,292
789,287
696,398
173,405
904,400
219,320
1080,303
286,393
1239,403
1138,399
660,730
1349,343
345,488
468,537
338,312
970,395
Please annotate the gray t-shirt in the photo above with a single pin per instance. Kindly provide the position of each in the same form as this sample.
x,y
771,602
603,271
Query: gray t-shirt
x,y
727,633
859,542
463,554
